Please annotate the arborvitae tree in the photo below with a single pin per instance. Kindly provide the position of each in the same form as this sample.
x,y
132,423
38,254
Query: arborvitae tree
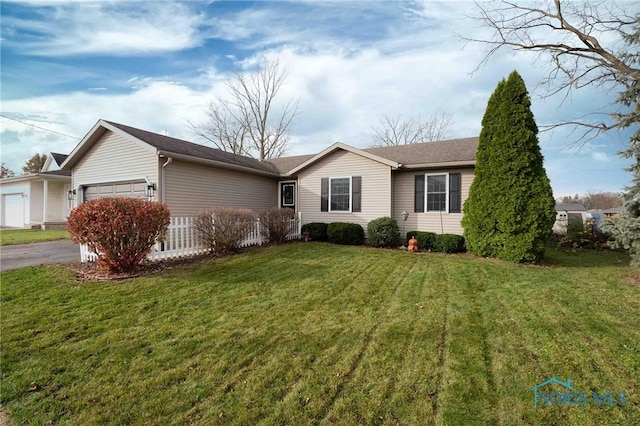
x,y
510,210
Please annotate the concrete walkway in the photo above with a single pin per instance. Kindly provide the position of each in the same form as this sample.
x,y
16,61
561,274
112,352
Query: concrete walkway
x,y
21,255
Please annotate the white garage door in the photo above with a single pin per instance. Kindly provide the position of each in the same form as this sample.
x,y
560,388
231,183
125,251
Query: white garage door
x,y
13,209
122,189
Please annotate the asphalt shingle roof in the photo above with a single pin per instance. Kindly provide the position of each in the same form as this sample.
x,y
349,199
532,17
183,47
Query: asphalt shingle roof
x,y
59,158
570,207
449,151
285,164
179,146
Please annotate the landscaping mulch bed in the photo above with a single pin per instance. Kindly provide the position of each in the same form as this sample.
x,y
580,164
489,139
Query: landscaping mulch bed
x,y
90,271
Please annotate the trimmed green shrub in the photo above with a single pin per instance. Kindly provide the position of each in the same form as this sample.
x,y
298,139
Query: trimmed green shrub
x,y
448,243
317,230
222,230
277,224
510,210
121,231
426,240
383,232
345,233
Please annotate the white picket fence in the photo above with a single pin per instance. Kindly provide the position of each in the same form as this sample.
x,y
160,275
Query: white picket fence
x,y
182,240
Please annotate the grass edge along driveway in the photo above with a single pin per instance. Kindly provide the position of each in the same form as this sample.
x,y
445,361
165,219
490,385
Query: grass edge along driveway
x,y
27,236
312,333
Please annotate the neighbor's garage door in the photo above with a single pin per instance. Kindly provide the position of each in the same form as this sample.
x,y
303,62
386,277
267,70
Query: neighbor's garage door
x,y
13,206
123,189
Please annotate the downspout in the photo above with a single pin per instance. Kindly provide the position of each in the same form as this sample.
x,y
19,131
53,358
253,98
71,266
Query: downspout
x,y
162,179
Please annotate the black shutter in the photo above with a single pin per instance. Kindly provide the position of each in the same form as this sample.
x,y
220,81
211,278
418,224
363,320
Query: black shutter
x,y
455,190
356,191
419,194
324,190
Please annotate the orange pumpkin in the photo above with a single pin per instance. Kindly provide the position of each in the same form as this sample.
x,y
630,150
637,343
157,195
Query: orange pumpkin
x,y
413,245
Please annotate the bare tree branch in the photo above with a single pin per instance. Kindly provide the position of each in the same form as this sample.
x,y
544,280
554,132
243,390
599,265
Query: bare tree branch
x,y
392,130
570,34
245,122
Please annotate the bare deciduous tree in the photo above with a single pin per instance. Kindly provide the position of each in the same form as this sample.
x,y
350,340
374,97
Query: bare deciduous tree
x,y
582,40
392,130
590,44
596,200
245,122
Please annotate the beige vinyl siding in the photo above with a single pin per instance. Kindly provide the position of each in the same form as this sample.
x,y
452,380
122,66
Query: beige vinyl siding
x,y
115,159
191,187
403,199
376,188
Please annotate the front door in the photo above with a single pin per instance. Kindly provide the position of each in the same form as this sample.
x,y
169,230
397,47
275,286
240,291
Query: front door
x,y
288,195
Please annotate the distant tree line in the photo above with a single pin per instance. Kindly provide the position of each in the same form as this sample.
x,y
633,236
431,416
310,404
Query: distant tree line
x,y
595,201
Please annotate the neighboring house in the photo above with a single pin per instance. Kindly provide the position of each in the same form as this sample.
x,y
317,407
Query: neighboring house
x,y
566,212
37,200
342,183
613,213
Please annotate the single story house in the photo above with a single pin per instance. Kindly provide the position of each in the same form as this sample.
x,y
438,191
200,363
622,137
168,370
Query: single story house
x,y
565,212
37,200
613,213
342,183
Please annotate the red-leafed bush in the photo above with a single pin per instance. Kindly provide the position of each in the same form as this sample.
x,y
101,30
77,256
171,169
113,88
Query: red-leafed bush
x,y
121,230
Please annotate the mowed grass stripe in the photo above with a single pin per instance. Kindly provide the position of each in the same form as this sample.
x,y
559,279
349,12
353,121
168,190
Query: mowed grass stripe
x,y
311,333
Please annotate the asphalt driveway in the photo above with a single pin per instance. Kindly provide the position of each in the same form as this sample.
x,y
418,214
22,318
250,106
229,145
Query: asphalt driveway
x,y
21,255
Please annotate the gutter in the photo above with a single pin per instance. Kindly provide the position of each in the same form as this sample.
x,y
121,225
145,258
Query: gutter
x,y
469,163
162,179
220,164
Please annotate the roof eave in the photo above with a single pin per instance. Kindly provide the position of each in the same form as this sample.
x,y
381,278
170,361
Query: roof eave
x,y
92,136
34,176
448,164
216,163
339,145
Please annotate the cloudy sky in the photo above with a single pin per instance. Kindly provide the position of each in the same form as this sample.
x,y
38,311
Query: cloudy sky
x,y
156,65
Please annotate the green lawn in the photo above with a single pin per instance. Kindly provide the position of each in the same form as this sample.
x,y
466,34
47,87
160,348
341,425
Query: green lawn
x,y
312,333
26,236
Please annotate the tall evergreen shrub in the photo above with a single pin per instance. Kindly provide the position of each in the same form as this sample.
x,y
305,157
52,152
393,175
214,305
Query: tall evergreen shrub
x,y
510,210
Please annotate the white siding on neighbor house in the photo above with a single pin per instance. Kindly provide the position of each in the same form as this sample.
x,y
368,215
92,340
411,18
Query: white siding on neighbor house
x,y
37,202
404,196
376,188
114,159
14,204
190,188
57,193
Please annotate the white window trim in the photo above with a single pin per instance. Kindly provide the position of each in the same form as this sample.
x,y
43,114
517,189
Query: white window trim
x,y
426,186
350,194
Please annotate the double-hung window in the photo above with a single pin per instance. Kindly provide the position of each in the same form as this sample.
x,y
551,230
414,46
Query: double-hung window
x,y
341,194
438,192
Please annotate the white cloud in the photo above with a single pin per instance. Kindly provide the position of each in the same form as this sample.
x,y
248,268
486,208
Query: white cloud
x,y
115,28
601,157
411,67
